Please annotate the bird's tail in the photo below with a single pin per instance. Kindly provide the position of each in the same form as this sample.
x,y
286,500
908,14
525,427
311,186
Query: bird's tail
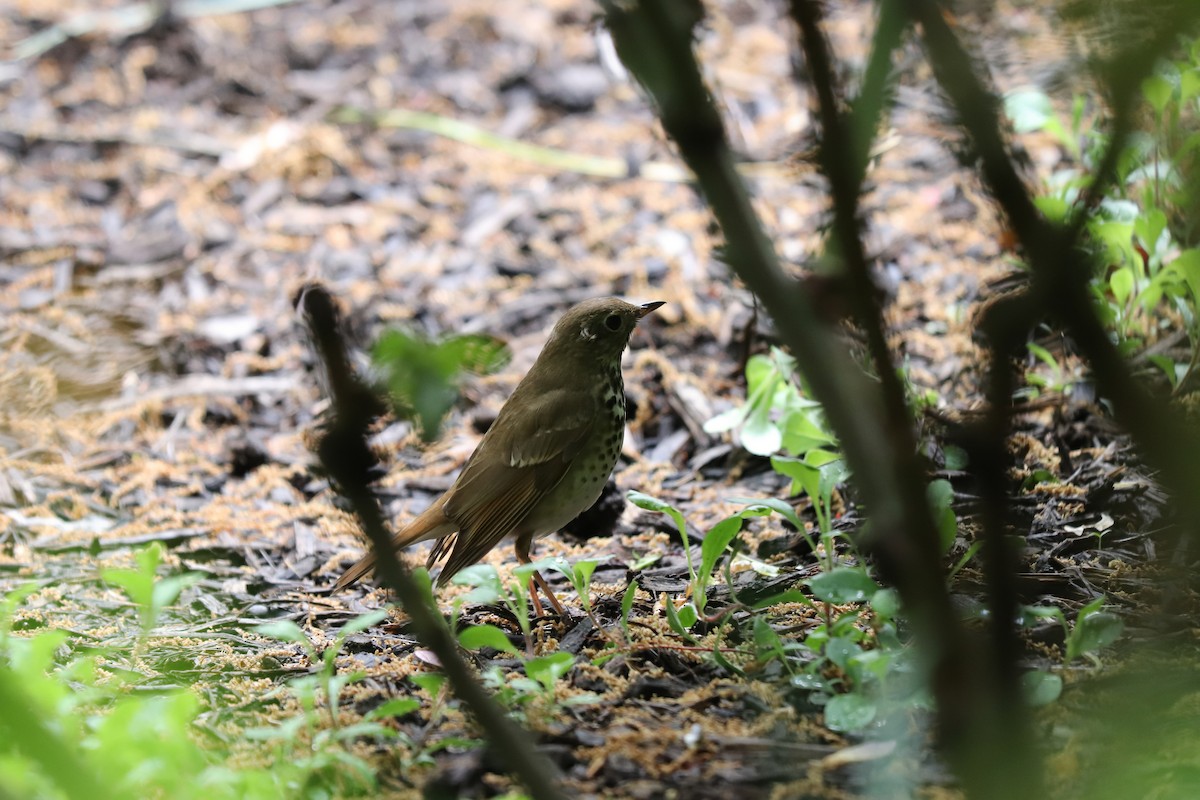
x,y
432,523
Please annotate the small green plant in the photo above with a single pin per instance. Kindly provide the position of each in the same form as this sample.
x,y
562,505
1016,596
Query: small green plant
x,y
716,544
97,730
854,664
1144,231
487,588
776,417
147,591
779,422
325,678
328,748
580,575
422,375
1094,628
548,669
537,686
1048,373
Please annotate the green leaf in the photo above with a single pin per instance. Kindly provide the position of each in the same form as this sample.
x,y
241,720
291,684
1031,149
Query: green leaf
x,y
966,557
955,457
821,458
759,434
1044,355
1096,630
726,420
476,353
1041,688
285,630
431,682
627,600
488,588
1149,227
687,616
940,493
941,499
1029,110
1055,209
805,478
1030,614
652,504
801,433
365,729
870,664
1121,284
886,604
137,585
715,543
581,575
831,474
285,731
849,712
1187,266
766,641
843,585
556,563
164,592
675,623
644,561
790,596
649,503
1168,366
477,575
421,580
546,670
480,596
1189,84
1157,90
361,623
477,636
1117,238
396,707
422,375
759,370
773,504
841,649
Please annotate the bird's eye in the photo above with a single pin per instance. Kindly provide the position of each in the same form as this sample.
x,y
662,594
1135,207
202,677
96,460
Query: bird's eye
x,y
612,322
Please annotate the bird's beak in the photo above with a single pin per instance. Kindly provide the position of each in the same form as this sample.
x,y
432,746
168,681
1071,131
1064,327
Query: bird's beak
x,y
648,307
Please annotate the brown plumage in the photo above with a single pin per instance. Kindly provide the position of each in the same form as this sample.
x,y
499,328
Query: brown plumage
x,y
547,456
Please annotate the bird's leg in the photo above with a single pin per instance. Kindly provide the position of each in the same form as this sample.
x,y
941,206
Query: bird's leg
x,y
537,604
536,579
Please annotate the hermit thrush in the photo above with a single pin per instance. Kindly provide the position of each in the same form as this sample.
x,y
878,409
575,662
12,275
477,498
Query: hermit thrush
x,y
547,456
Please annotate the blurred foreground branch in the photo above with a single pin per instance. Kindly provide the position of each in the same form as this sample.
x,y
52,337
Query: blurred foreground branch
x,y
344,452
654,39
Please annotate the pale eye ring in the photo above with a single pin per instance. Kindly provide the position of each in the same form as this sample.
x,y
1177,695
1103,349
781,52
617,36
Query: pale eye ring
x,y
613,322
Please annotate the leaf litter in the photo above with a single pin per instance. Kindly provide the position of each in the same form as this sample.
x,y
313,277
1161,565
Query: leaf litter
x,y
170,186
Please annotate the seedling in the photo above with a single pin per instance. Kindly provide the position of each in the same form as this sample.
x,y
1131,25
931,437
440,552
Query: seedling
x,y
147,591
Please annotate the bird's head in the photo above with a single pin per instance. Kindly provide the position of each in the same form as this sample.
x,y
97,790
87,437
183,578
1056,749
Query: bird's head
x,y
597,328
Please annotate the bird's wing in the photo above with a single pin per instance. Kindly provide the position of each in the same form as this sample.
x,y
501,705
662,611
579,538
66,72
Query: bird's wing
x,y
520,460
